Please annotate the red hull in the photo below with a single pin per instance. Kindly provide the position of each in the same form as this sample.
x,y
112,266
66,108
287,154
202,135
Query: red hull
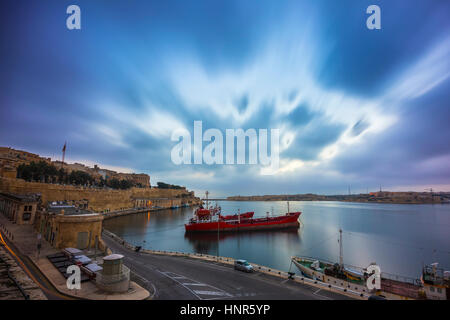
x,y
287,221
246,215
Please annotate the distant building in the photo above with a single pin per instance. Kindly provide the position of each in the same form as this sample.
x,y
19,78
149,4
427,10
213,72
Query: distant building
x,y
136,178
165,203
7,170
11,158
20,209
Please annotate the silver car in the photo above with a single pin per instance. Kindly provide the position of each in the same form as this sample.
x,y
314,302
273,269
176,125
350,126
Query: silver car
x,y
243,265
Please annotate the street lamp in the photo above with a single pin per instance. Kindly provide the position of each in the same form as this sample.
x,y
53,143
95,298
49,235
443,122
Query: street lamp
x,y
218,233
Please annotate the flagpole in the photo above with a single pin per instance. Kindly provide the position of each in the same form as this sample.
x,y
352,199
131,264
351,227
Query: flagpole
x,y
63,154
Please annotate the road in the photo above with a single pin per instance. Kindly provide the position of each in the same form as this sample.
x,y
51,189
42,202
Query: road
x,y
168,278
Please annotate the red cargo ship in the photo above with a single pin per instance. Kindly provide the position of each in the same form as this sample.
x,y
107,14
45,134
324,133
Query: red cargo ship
x,y
202,213
289,220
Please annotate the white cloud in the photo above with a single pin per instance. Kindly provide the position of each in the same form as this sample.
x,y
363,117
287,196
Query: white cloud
x,y
426,74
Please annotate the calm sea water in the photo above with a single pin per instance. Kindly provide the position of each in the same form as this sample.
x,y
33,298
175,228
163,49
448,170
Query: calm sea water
x,y
399,238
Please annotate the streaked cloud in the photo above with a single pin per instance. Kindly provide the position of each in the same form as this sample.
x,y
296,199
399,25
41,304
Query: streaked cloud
x,y
353,106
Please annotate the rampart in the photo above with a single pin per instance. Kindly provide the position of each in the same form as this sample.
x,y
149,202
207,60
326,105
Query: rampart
x,y
100,200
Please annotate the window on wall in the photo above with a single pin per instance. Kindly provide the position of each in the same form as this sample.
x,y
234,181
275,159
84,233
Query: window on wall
x,y
26,216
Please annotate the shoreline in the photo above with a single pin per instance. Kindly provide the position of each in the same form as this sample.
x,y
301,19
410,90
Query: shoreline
x,y
319,200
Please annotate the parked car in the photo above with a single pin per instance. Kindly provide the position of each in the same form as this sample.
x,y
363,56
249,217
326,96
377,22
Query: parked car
x,y
243,265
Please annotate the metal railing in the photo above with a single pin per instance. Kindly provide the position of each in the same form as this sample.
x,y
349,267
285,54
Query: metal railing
x,y
256,267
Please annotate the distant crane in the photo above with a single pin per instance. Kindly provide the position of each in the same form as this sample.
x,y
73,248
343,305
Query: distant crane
x,y
431,192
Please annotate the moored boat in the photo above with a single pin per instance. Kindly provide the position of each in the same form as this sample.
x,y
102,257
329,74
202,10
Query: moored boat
x,y
355,278
289,220
436,282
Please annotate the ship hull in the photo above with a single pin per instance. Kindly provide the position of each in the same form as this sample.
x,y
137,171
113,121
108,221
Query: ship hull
x,y
281,222
308,272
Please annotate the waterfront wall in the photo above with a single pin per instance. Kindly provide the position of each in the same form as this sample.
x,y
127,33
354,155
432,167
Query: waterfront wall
x,y
358,294
100,200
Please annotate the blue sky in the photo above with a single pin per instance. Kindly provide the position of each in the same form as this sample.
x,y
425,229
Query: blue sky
x,y
354,106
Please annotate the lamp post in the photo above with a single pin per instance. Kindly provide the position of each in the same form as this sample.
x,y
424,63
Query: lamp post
x,y
39,244
218,232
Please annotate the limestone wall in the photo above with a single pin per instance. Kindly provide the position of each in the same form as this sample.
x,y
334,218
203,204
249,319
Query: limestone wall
x,y
99,199
68,228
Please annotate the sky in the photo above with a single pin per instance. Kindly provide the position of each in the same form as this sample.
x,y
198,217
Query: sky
x,y
355,107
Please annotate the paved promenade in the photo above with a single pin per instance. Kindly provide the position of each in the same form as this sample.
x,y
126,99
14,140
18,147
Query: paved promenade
x,y
23,243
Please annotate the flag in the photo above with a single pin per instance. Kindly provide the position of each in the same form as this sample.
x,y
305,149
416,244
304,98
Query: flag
x,y
64,148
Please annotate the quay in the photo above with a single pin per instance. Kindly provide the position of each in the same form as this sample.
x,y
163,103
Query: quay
x,y
125,212
181,275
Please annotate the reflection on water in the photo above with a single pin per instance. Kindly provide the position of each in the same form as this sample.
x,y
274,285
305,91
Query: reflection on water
x,y
206,242
399,238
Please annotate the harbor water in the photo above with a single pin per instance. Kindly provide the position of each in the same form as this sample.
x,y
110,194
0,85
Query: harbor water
x,y
399,238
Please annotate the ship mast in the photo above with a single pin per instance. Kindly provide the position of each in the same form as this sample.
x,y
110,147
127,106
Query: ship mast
x,y
341,258
207,206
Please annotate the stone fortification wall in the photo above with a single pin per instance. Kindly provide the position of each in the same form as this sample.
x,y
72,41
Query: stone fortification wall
x,y
99,199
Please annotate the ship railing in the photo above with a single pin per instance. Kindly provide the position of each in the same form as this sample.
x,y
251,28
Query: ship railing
x,y
395,277
314,259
